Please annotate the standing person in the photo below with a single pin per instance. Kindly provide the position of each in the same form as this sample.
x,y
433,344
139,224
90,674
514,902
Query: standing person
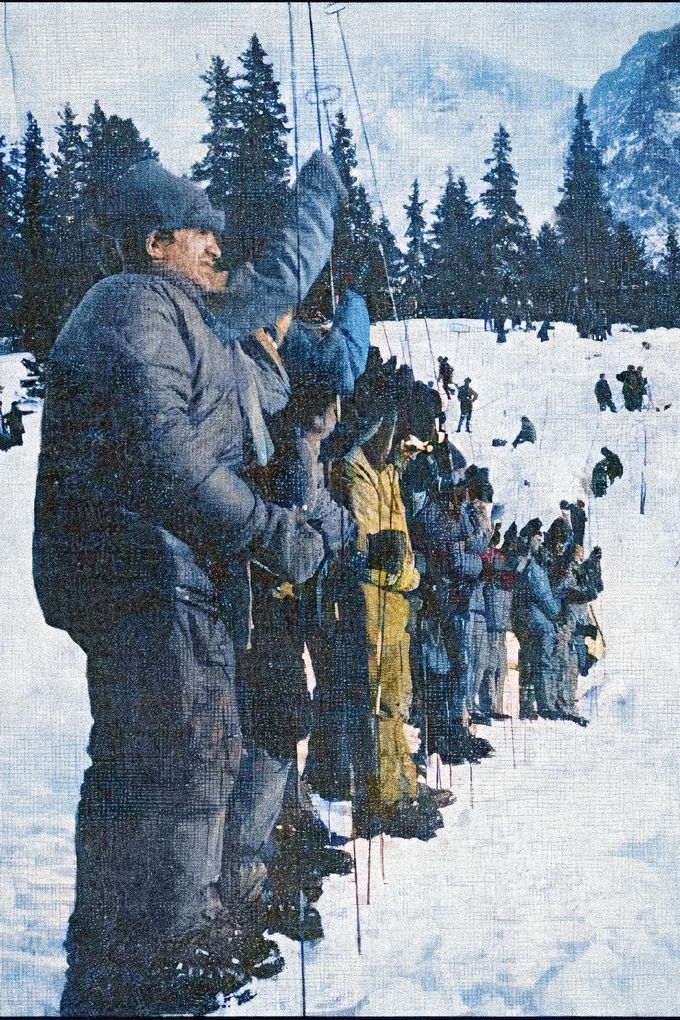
x,y
15,424
394,801
603,394
466,398
535,610
640,387
445,376
629,387
543,334
144,529
499,323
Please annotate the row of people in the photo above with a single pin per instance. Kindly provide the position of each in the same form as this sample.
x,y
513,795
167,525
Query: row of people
x,y
224,494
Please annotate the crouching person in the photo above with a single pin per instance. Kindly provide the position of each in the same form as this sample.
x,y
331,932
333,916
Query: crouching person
x,y
144,527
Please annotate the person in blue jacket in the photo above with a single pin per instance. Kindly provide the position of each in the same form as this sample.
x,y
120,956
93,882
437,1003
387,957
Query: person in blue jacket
x,y
145,527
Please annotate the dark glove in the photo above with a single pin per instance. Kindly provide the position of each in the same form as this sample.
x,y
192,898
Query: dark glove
x,y
387,551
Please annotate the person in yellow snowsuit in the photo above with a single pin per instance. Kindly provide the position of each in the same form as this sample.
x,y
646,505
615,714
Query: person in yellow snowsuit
x,y
371,490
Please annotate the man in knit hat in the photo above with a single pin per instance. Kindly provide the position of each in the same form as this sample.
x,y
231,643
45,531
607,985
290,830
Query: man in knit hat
x,y
145,524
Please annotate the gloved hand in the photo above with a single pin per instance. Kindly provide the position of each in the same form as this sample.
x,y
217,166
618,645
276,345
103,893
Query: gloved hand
x,y
321,172
288,546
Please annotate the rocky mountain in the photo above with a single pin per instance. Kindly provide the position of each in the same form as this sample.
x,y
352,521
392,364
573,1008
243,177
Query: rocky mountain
x,y
635,112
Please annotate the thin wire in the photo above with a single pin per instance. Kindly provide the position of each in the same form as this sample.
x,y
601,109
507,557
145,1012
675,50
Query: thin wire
x,y
316,75
296,137
376,185
318,124
11,64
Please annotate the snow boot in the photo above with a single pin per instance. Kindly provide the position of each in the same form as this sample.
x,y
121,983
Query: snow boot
x,y
415,819
301,924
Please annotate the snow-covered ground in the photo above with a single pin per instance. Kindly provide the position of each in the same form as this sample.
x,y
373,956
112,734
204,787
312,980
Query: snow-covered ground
x,y
554,887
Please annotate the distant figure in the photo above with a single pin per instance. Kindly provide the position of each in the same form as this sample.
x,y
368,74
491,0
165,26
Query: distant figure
x,y
632,388
605,472
527,433
599,481
499,323
466,398
604,394
599,326
445,376
15,424
614,465
577,520
488,321
543,331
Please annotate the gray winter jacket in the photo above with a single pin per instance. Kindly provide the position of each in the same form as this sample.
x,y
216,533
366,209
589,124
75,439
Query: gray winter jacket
x,y
534,604
140,494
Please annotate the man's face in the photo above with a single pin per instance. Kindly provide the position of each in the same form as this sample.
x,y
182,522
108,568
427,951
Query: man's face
x,y
193,253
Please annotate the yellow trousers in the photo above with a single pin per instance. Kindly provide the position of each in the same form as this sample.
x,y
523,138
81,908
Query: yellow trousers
x,y
389,674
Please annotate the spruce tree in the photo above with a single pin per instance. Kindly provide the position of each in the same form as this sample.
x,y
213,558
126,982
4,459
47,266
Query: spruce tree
x,y
36,318
506,239
10,187
413,291
547,278
113,146
629,279
453,262
69,255
585,226
261,197
219,165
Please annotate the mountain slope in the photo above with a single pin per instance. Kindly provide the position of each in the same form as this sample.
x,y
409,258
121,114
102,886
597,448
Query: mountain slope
x,y
636,116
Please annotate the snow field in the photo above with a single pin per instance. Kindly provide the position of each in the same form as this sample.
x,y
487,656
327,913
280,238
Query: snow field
x,y
554,886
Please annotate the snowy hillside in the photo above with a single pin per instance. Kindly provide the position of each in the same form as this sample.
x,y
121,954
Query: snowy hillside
x,y
554,887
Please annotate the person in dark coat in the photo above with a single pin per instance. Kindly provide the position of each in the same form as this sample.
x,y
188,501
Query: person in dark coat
x,y
144,530
527,433
543,334
631,388
466,398
605,472
445,376
578,519
15,424
603,394
614,465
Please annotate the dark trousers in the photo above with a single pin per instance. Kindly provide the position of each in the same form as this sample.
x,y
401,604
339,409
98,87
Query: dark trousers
x,y
158,798
465,416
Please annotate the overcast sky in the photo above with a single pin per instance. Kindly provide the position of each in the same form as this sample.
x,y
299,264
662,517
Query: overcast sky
x,y
144,59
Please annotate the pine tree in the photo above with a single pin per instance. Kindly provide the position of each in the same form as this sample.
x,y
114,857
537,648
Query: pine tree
x,y
10,189
261,195
219,165
629,277
113,146
35,317
585,226
453,263
68,249
384,298
413,291
506,239
547,279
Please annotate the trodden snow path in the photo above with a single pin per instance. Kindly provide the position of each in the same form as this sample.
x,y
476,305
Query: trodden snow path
x,y
554,886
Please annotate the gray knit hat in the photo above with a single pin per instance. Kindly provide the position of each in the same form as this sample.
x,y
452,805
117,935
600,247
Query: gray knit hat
x,y
148,197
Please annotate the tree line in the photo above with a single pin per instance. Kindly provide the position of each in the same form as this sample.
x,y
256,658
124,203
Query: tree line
x,y
477,258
